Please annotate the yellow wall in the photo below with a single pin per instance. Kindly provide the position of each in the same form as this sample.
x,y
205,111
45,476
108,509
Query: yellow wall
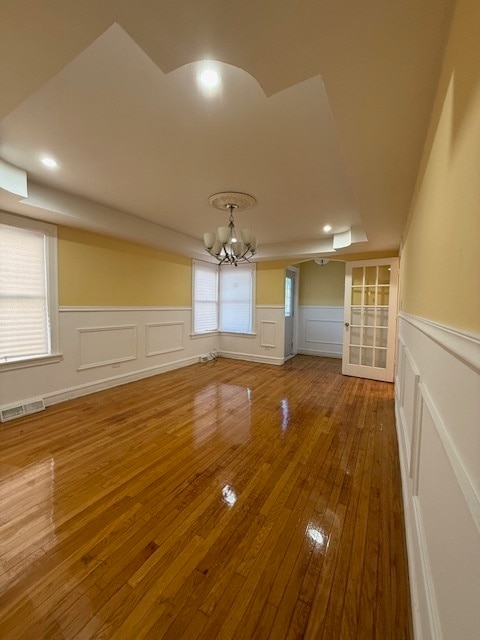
x,y
270,283
440,262
322,285
369,255
96,270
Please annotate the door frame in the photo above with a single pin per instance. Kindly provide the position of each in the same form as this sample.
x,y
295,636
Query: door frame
x,y
295,271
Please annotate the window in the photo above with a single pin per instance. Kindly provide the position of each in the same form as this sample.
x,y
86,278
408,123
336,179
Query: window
x,y
223,298
288,296
205,297
236,298
28,289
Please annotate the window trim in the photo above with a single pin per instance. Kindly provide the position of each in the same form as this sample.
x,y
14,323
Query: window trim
x,y
51,264
212,332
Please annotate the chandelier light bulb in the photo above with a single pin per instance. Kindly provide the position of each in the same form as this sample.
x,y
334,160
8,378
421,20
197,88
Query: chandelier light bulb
x,y
247,236
223,234
209,240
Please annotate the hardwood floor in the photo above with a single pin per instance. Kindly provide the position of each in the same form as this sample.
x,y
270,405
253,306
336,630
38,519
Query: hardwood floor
x,y
223,500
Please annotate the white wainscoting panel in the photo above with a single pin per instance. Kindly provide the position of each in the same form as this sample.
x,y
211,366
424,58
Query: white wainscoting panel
x,y
163,337
100,346
267,334
103,347
440,462
410,410
320,331
265,344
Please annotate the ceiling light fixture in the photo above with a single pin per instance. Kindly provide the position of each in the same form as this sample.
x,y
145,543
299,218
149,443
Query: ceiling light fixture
x,y
327,228
225,246
209,78
49,162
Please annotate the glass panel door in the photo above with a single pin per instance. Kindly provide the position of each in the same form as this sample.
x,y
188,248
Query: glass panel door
x,y
370,318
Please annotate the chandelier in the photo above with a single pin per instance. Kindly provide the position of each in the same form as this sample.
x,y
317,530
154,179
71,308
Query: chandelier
x,y
226,245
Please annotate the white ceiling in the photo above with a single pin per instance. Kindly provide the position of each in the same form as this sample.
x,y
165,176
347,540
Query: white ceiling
x,y
321,115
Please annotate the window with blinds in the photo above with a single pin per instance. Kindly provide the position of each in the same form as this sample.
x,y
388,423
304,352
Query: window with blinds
x,y
205,297
223,297
25,322
236,298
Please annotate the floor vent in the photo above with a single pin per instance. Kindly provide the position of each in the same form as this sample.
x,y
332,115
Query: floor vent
x,y
31,406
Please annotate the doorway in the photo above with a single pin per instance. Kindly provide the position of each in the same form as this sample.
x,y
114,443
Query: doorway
x,y
291,302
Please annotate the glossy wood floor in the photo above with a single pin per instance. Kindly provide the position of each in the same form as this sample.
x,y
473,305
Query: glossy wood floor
x,y
223,500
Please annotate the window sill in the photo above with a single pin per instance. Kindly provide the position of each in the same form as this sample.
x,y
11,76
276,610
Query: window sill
x,y
207,334
31,362
238,334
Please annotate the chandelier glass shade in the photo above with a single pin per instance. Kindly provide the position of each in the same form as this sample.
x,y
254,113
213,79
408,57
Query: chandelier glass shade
x,y
227,246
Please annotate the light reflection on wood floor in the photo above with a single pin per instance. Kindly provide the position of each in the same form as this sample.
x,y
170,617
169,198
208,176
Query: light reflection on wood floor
x,y
223,500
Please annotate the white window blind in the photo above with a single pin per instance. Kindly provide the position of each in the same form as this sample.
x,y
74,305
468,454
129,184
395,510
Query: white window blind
x,y
205,300
24,315
236,298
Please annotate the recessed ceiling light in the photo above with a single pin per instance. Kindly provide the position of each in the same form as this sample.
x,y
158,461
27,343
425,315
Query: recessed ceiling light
x,y
49,162
327,228
209,78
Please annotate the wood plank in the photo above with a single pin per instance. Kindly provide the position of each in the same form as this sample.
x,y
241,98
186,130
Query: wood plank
x,y
223,500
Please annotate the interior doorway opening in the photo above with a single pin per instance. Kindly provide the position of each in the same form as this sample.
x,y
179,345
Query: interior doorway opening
x,y
320,310
291,312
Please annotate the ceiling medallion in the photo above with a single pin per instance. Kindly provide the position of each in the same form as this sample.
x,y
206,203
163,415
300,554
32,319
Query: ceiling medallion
x,y
225,245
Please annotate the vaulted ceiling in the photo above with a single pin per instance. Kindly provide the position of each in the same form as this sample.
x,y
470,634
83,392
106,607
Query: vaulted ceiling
x,y
321,115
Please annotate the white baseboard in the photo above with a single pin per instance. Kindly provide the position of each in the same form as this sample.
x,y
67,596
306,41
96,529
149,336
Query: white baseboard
x,y
249,357
323,354
114,381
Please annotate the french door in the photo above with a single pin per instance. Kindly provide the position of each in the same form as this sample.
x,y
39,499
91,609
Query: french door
x,y
370,319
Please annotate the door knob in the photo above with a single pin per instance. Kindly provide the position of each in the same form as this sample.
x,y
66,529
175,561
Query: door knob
x,y
347,324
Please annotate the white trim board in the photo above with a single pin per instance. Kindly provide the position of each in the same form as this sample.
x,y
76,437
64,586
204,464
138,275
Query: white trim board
x,y
321,354
67,309
462,344
251,357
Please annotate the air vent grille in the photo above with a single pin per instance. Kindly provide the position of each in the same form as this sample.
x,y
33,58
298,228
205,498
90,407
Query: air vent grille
x,y
30,406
